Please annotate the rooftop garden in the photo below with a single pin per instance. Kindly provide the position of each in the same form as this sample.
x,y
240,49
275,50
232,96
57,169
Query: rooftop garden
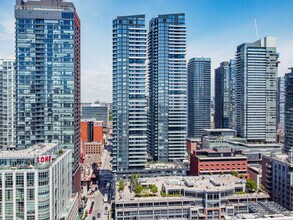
x,y
140,190
163,194
121,185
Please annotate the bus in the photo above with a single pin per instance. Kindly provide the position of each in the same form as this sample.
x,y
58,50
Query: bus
x,y
105,198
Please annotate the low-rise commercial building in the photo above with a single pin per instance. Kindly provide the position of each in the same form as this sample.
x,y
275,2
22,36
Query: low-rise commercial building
x,y
93,148
159,169
219,138
185,198
191,145
36,183
218,161
277,178
98,112
255,173
215,137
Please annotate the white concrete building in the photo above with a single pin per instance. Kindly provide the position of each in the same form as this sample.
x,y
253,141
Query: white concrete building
x,y
178,197
36,183
7,101
256,72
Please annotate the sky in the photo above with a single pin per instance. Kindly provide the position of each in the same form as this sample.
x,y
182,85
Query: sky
x,y
214,29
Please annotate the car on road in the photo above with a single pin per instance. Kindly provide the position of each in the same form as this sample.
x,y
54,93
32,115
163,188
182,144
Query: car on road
x,y
93,218
106,208
99,215
106,213
91,208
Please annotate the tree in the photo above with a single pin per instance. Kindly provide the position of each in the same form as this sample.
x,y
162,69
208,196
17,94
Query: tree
x,y
60,152
153,188
138,189
121,185
251,185
134,180
234,173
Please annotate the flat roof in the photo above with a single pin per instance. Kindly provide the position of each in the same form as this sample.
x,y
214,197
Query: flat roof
x,y
200,184
219,129
46,4
38,149
255,168
162,166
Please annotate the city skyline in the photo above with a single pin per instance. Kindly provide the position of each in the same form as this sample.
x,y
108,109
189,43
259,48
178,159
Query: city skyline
x,y
183,115
206,29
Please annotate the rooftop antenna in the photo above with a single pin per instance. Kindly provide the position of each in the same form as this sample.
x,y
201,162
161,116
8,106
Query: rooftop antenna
x,y
256,29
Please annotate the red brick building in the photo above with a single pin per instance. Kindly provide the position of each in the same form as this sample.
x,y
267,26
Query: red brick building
x,y
191,145
217,161
91,131
93,148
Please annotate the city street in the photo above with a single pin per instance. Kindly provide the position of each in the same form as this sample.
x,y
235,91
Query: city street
x,y
105,178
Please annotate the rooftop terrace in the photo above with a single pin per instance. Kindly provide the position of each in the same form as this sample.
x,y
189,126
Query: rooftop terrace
x,y
31,152
213,183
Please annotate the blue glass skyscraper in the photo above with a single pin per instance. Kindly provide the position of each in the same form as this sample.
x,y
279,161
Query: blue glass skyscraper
x,y
232,72
199,96
48,75
167,87
289,114
129,94
222,95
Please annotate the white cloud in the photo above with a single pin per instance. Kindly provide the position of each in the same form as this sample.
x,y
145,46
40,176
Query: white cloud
x,y
7,36
96,84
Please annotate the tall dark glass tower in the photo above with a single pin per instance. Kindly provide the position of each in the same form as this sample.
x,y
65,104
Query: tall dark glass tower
x,y
48,75
289,114
199,96
280,115
222,96
232,72
167,82
129,94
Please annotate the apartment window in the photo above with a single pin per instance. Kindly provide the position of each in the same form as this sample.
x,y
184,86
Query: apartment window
x,y
19,180
8,180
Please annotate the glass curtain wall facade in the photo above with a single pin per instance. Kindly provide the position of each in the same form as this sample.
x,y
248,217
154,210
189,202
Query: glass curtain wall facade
x,y
280,118
7,103
48,75
222,95
232,72
256,73
199,96
129,94
167,84
95,111
289,114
